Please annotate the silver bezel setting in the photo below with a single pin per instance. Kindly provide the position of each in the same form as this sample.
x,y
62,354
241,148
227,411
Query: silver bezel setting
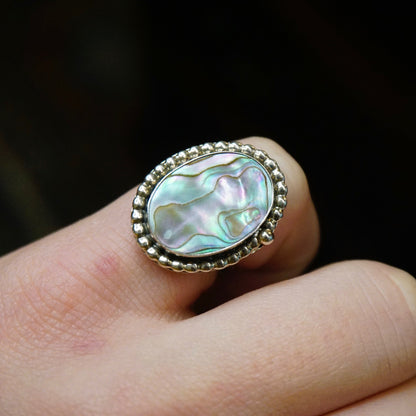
x,y
263,236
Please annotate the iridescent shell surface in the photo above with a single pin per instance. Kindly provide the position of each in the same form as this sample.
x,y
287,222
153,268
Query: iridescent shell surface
x,y
210,204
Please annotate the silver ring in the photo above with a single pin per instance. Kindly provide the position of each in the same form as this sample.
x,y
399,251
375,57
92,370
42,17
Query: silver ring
x,y
209,206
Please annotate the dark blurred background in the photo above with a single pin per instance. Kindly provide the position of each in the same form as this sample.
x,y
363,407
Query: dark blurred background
x,y
94,94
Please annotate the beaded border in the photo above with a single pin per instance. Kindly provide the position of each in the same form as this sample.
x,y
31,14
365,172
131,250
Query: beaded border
x,y
263,236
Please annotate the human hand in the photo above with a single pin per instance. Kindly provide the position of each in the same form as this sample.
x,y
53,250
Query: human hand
x,y
90,326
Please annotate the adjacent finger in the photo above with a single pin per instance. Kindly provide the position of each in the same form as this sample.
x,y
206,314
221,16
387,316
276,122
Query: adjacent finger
x,y
304,346
399,401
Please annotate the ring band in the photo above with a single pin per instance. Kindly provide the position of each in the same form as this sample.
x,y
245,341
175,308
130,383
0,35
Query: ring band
x,y
209,206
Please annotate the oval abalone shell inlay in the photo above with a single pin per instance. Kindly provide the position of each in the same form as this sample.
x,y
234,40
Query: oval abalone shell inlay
x,y
210,204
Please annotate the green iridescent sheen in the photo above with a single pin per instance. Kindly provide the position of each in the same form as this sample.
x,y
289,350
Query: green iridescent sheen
x,y
210,204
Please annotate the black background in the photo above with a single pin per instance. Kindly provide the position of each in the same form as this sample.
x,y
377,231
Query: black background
x,y
94,94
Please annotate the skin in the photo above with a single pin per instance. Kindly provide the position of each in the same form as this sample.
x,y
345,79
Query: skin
x,y
90,326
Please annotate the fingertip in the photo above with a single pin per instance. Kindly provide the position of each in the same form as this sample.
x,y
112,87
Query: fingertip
x,y
297,235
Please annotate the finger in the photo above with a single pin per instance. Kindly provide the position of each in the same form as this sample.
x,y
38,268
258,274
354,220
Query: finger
x,y
304,346
98,256
96,268
399,401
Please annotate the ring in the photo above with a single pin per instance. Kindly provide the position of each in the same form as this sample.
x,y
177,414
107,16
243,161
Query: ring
x,y
209,206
